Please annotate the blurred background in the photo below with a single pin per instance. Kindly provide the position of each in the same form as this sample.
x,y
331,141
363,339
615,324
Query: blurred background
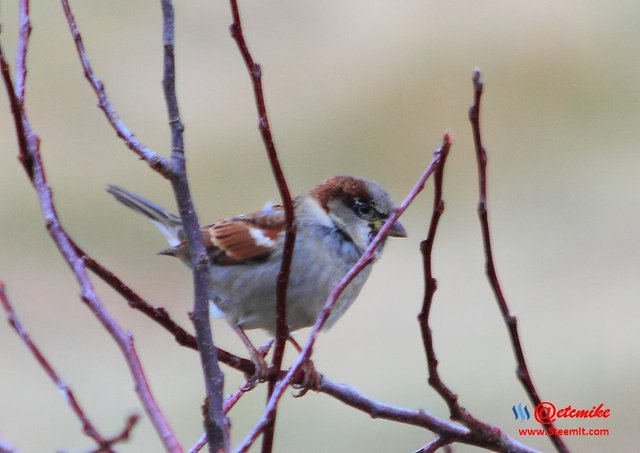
x,y
352,87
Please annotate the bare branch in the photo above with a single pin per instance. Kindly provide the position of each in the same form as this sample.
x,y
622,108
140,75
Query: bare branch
x,y
88,428
215,422
155,160
420,418
415,417
430,284
282,328
522,370
30,156
457,412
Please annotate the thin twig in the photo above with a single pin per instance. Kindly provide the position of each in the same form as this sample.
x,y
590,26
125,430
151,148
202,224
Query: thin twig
x,y
366,259
434,445
124,435
16,95
229,402
215,422
457,412
127,430
199,444
155,160
158,314
30,152
282,328
430,285
522,370
88,427
21,50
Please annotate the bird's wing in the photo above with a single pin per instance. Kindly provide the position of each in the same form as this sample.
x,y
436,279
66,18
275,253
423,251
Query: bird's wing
x,y
241,239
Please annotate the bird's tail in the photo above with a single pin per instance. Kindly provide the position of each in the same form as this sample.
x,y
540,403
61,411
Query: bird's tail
x,y
169,224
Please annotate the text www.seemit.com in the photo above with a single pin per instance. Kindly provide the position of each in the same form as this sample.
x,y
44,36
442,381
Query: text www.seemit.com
x,y
564,432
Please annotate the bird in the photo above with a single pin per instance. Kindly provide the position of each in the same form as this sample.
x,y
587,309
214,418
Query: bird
x,y
336,222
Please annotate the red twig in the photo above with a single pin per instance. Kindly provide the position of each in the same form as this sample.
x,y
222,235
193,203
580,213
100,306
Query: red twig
x,y
124,435
366,259
430,286
87,426
522,370
457,412
282,328
30,156
155,160
158,314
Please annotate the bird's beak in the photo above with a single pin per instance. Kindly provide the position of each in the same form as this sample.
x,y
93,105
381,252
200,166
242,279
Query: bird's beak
x,y
397,231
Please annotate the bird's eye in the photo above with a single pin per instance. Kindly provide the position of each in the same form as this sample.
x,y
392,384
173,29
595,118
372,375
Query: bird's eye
x,y
363,209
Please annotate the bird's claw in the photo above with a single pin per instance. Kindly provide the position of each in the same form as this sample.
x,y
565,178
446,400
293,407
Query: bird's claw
x,y
260,368
310,380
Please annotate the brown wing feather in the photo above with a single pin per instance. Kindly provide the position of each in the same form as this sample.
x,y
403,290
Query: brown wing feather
x,y
240,239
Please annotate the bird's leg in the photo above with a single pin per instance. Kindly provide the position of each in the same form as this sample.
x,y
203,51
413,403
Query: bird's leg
x,y
295,344
251,382
261,368
311,376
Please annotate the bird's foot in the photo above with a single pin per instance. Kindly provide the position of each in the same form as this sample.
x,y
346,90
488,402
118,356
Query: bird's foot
x,y
310,380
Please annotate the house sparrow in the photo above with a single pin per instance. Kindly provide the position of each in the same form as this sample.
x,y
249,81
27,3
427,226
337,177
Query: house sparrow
x,y
336,222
